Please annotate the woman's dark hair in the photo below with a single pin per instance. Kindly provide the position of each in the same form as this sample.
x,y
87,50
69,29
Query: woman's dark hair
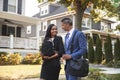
x,y
48,32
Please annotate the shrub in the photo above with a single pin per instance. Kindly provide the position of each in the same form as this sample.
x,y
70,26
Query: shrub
x,y
91,52
3,53
110,64
117,64
3,59
98,52
32,59
10,59
14,59
108,50
117,50
38,58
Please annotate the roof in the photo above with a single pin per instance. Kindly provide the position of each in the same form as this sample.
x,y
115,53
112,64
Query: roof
x,y
59,10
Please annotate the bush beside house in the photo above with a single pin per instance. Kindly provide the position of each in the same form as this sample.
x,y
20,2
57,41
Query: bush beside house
x,y
117,50
16,59
91,52
117,53
10,59
98,51
108,51
32,59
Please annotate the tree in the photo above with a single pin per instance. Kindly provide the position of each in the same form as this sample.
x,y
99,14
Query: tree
x,y
108,50
118,27
91,52
98,52
117,6
97,6
117,50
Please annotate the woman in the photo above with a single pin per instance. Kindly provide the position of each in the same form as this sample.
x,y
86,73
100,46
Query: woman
x,y
52,50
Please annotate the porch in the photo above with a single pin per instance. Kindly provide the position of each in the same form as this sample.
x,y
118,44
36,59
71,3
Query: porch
x,y
12,33
17,43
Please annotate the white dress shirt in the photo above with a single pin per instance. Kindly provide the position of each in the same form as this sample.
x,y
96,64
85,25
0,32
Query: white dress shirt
x,y
71,32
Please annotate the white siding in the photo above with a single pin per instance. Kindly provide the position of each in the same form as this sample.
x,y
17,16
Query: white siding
x,y
23,31
1,5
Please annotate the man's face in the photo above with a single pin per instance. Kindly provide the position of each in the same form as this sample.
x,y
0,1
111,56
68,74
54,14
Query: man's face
x,y
65,26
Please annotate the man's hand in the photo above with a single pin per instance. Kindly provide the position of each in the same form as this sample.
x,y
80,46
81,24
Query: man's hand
x,y
66,56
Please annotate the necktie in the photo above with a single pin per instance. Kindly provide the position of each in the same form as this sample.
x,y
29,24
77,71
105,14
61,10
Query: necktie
x,y
67,39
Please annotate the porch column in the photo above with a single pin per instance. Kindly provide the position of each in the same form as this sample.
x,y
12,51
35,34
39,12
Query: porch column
x,y
91,35
11,41
37,34
73,21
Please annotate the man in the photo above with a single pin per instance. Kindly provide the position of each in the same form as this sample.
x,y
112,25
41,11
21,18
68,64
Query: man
x,y
79,45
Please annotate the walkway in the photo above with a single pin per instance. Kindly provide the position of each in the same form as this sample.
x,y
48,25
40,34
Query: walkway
x,y
61,77
106,70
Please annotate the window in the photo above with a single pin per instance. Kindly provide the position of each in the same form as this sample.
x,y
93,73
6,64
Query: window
x,y
86,22
44,26
53,22
12,6
44,10
105,26
11,30
7,30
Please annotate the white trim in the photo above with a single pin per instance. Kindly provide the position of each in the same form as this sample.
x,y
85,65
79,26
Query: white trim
x,y
24,20
17,50
44,26
28,31
37,35
13,25
53,22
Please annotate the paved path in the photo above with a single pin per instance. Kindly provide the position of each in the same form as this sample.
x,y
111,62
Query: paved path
x,y
106,70
60,77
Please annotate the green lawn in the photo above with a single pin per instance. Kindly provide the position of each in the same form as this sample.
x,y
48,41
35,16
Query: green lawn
x,y
21,71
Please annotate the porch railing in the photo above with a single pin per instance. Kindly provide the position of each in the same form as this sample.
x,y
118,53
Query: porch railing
x,y
19,43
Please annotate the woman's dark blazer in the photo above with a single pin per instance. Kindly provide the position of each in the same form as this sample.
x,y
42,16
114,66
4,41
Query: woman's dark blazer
x,y
48,49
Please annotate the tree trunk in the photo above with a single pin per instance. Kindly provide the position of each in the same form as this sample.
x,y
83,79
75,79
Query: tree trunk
x,y
79,14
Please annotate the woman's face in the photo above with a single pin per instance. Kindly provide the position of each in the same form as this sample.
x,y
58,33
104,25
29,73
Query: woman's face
x,y
54,31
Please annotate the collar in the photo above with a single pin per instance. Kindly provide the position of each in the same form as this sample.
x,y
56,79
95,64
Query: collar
x,y
71,32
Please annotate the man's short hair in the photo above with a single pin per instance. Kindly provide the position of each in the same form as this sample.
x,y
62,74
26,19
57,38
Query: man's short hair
x,y
67,20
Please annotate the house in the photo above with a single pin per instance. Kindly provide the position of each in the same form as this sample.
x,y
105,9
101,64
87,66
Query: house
x,y
52,12
14,26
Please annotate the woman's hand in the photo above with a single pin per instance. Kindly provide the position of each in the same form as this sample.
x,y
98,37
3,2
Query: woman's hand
x,y
51,57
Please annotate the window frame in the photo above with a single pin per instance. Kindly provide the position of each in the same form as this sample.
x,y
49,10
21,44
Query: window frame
x,y
12,6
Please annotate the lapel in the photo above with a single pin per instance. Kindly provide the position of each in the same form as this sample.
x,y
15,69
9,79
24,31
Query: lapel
x,y
70,40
